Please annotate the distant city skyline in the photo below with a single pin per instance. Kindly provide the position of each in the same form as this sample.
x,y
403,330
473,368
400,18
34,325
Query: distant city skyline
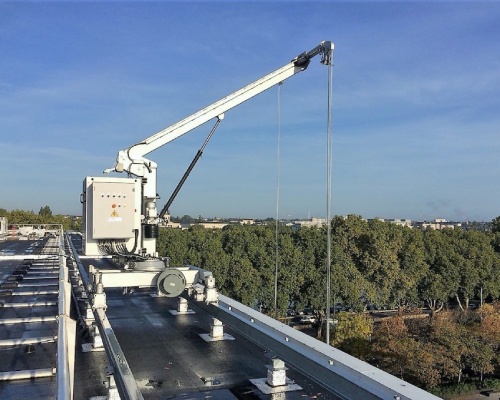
x,y
416,93
291,218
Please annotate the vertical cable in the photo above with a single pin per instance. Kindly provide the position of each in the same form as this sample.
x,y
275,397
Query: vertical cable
x,y
328,199
277,203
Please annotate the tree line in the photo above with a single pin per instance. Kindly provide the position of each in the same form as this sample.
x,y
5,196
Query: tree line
x,y
373,264
44,216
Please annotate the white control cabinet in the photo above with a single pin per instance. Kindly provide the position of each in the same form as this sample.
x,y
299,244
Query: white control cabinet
x,y
111,211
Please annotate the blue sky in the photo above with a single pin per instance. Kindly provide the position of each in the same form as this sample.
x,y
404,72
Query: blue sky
x,y
416,104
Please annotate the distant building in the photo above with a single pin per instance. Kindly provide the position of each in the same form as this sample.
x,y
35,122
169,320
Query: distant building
x,y
439,223
213,225
207,225
397,221
218,223
401,222
171,224
309,223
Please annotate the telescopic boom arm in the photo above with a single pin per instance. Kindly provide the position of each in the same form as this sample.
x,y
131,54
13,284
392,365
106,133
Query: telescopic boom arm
x,y
131,160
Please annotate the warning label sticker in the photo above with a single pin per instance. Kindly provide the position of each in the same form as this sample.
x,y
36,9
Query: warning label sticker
x,y
114,217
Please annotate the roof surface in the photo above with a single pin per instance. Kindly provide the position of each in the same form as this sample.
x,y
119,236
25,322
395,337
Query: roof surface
x,y
166,352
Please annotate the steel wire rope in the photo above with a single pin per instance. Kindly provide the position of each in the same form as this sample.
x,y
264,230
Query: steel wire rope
x,y
278,134
328,198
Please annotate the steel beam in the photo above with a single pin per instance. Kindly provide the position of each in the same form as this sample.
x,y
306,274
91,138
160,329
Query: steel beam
x,y
27,320
23,341
29,304
27,374
33,292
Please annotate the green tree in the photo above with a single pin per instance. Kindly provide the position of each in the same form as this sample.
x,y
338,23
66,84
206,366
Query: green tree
x,y
244,283
17,217
291,276
173,243
441,281
213,256
350,285
311,243
186,219
240,244
495,242
45,212
474,260
495,225
486,263
412,269
480,357
378,260
351,332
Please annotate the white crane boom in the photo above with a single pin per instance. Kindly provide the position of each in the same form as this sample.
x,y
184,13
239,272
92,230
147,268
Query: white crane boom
x,y
212,111
133,162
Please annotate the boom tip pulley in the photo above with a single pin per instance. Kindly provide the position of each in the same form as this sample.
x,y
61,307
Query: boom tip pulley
x,y
325,48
